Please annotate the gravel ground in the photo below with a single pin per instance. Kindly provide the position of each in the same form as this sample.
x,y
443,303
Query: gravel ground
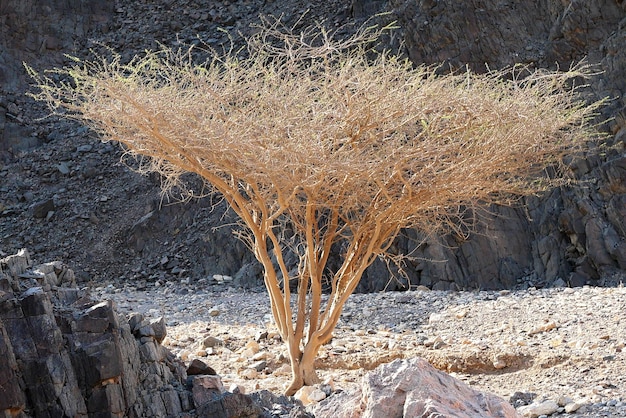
x,y
564,345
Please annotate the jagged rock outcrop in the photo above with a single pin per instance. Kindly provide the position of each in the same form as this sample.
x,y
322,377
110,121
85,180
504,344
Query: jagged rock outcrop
x,y
413,389
62,354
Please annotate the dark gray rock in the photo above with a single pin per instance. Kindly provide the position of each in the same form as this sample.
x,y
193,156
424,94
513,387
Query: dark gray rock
x,y
575,235
160,331
41,209
11,396
198,367
70,356
66,355
227,405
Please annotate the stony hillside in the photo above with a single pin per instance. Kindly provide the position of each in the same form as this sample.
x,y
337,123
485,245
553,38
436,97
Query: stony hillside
x,y
64,195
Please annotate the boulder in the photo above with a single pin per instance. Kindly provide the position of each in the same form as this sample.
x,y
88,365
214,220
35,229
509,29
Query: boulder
x,y
412,389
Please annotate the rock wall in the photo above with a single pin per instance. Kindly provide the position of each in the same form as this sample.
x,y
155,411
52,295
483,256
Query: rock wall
x,y
33,32
62,354
32,29
572,236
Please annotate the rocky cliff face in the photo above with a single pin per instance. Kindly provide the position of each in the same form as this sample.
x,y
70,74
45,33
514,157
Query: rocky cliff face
x,y
31,29
108,222
571,236
63,354
39,31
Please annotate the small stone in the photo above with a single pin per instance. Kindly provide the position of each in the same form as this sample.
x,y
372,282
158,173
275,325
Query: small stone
x,y
63,168
573,406
254,346
198,367
317,395
28,196
211,341
436,317
235,388
135,320
499,363
184,355
84,148
247,353
206,382
564,400
214,312
328,386
249,374
429,342
303,394
535,410
261,335
160,331
460,314
284,370
546,326
259,366
41,209
145,331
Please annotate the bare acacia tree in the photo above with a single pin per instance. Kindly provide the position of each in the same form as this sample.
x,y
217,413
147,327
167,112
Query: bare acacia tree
x,y
337,143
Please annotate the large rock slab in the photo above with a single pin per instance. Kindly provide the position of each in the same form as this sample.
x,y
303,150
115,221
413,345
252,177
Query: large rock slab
x,y
413,389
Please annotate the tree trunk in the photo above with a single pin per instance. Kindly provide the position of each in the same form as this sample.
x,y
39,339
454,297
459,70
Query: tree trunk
x,y
302,367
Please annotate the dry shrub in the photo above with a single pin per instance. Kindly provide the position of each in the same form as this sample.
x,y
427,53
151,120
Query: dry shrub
x,y
344,145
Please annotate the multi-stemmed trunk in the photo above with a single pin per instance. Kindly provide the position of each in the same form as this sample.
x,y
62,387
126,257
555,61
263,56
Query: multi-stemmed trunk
x,y
306,323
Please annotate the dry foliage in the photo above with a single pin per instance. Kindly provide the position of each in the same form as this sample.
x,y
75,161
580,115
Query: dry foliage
x,y
336,143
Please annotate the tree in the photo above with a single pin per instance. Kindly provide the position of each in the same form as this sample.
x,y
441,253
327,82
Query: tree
x,y
321,145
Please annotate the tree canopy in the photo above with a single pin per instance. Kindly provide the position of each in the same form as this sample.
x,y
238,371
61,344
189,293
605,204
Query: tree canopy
x,y
334,141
